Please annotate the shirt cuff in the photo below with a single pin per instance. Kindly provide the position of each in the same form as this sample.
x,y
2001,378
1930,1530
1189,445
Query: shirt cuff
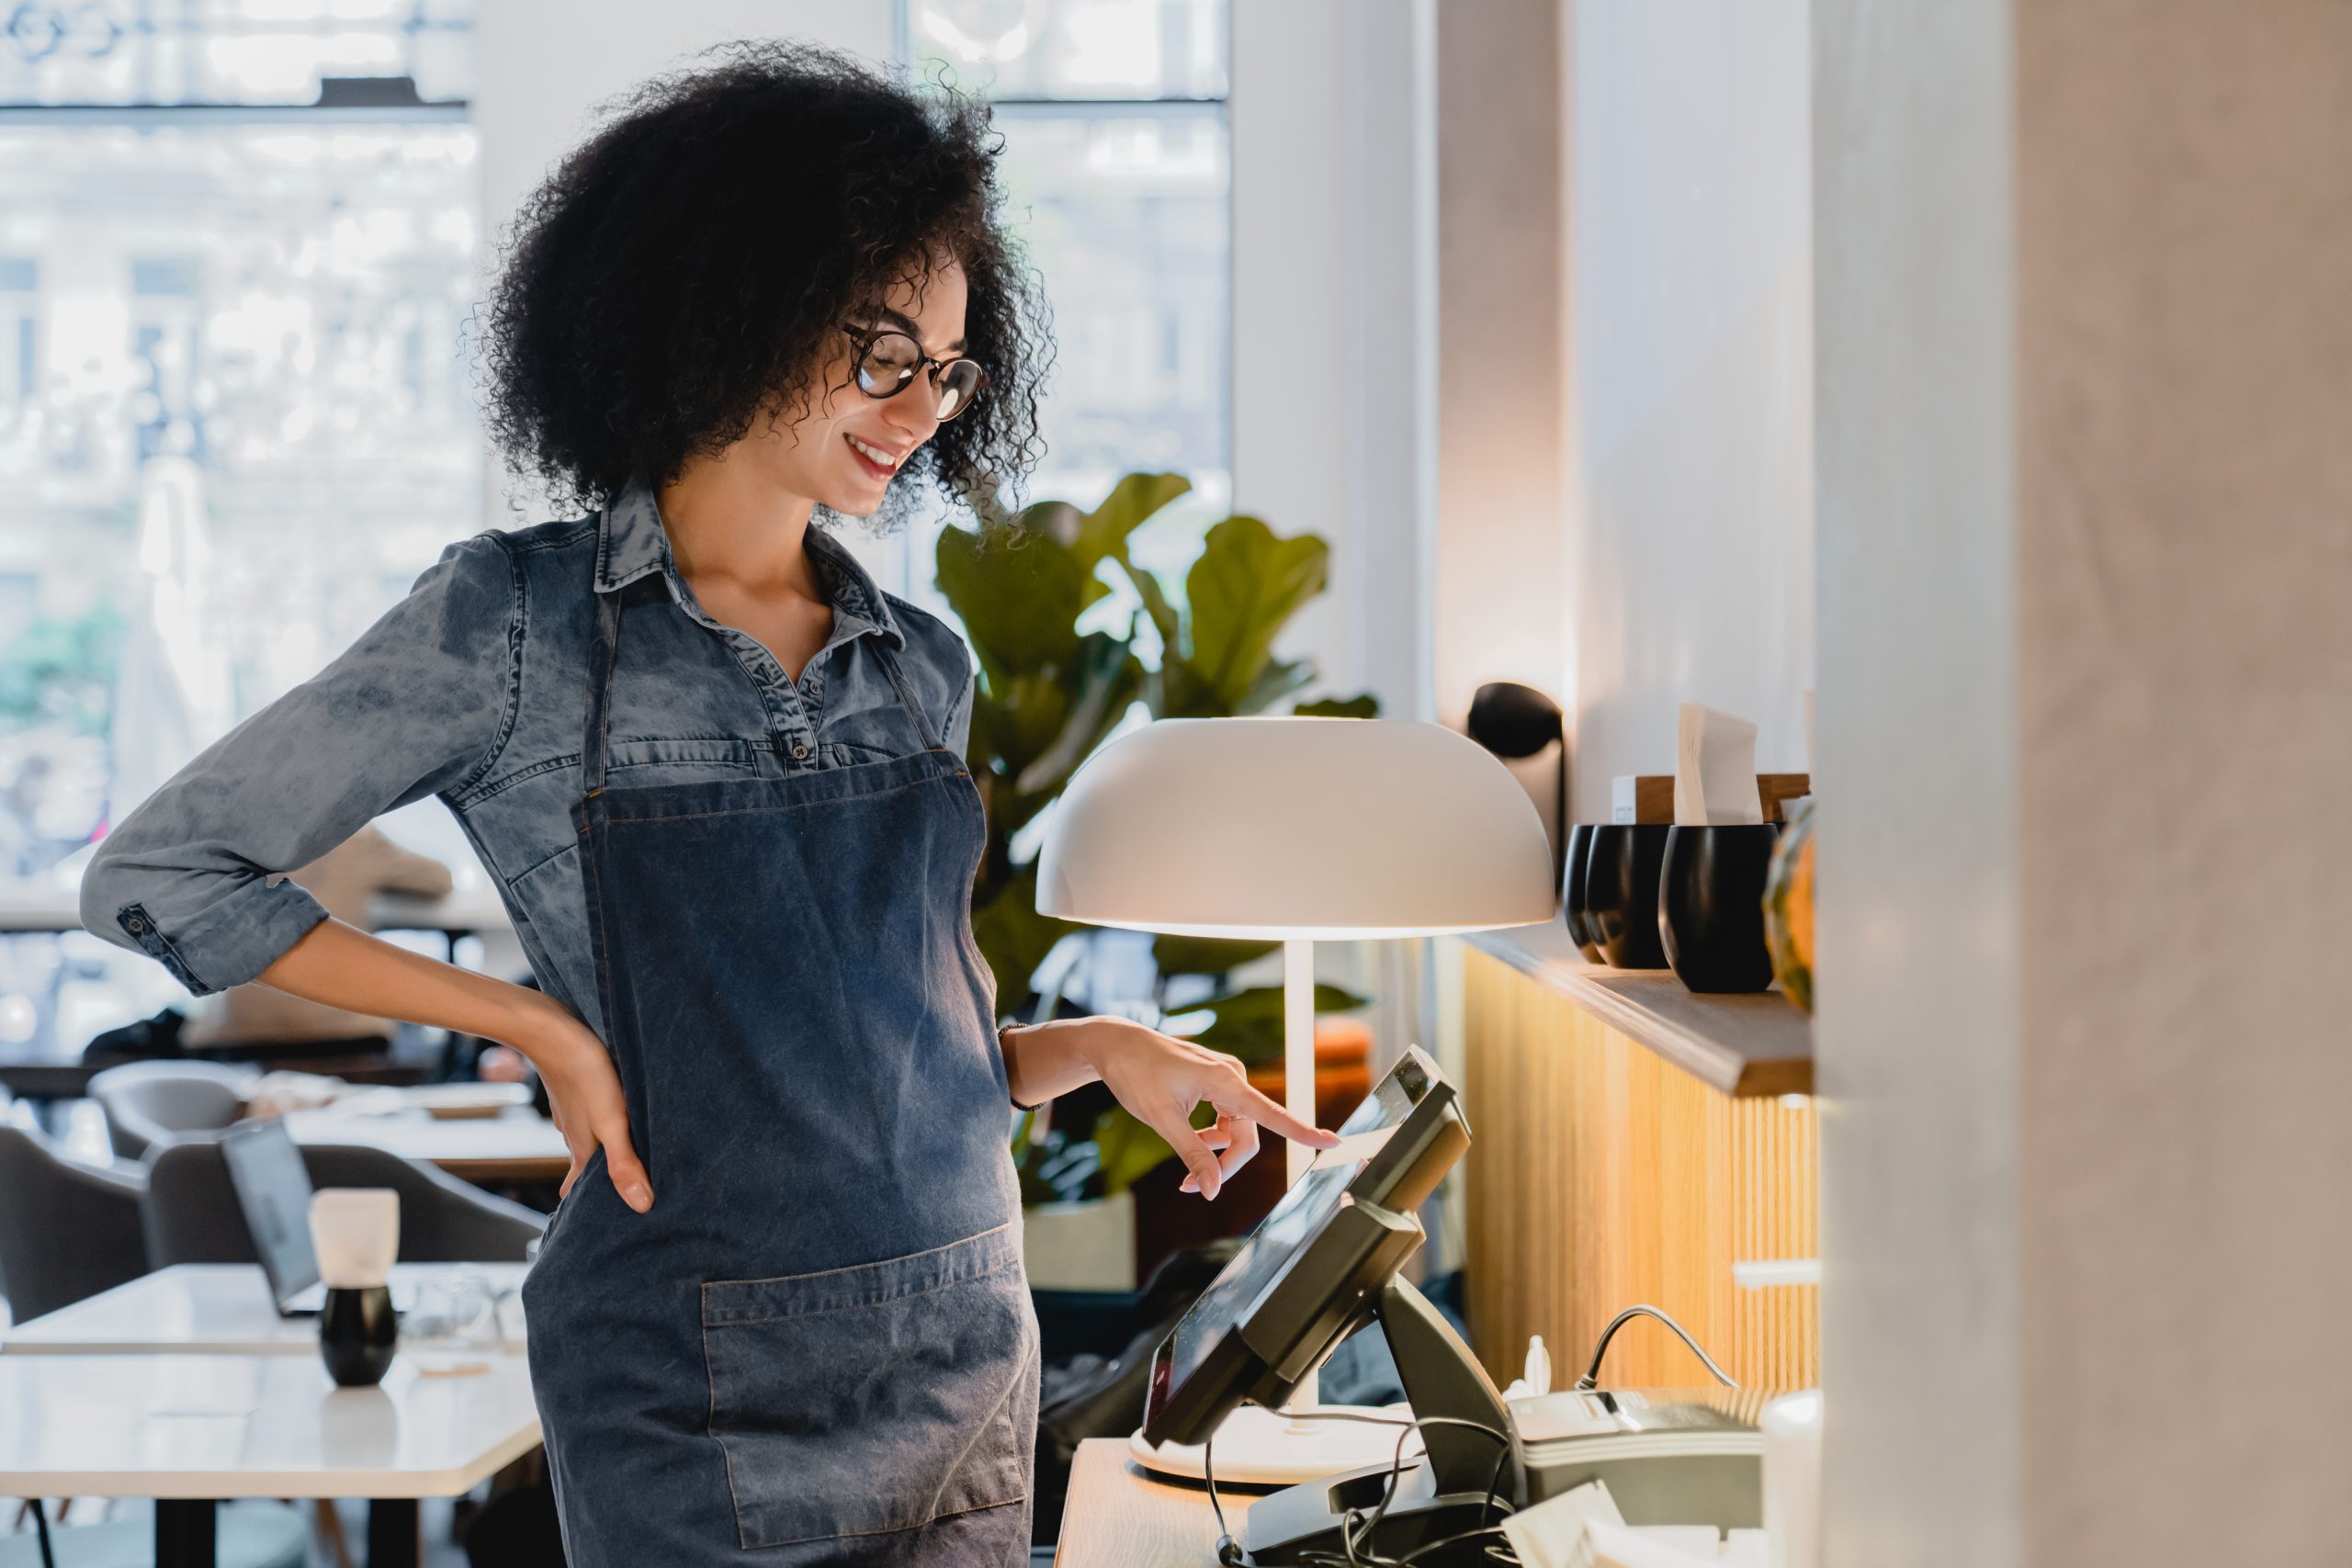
x,y
233,941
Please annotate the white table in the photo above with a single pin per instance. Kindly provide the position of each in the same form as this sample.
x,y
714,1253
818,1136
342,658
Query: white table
x,y
520,1146
218,1309
188,1430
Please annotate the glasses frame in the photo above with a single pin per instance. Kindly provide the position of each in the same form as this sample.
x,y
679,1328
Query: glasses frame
x,y
931,367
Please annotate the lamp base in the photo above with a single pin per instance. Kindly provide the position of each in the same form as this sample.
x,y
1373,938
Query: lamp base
x,y
1257,1446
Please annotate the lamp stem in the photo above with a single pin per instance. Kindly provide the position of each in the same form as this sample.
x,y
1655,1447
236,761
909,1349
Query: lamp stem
x,y
1298,1088
1298,1047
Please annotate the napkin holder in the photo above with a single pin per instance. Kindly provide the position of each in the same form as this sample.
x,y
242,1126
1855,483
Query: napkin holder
x,y
1650,797
355,1232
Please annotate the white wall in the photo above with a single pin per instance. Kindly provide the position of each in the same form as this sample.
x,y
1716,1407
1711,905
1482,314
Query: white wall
x,y
1333,276
1689,528
1501,384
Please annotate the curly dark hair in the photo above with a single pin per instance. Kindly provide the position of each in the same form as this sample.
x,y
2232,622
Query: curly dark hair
x,y
693,258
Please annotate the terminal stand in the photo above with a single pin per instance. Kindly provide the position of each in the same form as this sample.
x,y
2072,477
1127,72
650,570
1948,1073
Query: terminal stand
x,y
1444,1494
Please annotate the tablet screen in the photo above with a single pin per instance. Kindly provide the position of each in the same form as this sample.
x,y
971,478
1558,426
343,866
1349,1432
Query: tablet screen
x,y
1235,1292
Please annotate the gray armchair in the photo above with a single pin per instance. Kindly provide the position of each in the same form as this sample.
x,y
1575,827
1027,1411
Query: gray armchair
x,y
147,1103
191,1214
67,1230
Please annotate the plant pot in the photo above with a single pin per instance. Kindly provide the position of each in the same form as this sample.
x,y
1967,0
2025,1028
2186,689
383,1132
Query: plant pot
x,y
1086,1245
1621,892
1711,905
358,1334
1572,891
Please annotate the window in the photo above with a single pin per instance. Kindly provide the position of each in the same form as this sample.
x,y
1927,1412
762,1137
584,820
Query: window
x,y
235,422
1117,164
229,367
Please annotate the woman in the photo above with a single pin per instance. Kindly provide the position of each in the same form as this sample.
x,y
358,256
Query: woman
x,y
780,1309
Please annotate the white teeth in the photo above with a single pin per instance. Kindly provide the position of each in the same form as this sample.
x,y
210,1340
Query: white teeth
x,y
879,456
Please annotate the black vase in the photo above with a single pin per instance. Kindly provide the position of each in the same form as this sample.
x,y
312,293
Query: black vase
x,y
1711,905
358,1334
1572,905
1621,892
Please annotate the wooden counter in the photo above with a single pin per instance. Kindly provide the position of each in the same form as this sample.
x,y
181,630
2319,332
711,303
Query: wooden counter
x,y
1630,1143
1756,1043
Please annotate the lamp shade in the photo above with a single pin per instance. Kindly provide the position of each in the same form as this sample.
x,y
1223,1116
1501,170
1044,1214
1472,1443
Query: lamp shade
x,y
1295,828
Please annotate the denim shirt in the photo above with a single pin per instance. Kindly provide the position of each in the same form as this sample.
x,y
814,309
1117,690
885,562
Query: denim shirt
x,y
474,688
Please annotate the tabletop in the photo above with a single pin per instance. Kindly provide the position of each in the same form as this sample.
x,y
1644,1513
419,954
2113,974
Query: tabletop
x,y
218,1309
1118,1516
209,1427
518,1145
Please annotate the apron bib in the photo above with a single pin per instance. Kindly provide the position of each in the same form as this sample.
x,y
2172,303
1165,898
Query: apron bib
x,y
819,1346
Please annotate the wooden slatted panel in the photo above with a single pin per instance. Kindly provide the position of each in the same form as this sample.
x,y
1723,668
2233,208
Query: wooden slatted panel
x,y
1599,1176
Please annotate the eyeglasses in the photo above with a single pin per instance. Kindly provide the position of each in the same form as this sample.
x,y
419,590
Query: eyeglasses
x,y
886,362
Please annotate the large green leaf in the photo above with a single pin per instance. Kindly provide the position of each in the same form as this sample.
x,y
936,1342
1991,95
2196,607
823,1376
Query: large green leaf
x,y
1204,954
1019,600
1248,1025
1177,691
1155,604
1130,1151
1274,682
1132,502
1363,706
1064,525
1244,588
1110,677
1013,937
1025,715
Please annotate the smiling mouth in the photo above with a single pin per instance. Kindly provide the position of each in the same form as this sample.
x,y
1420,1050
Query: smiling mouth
x,y
875,461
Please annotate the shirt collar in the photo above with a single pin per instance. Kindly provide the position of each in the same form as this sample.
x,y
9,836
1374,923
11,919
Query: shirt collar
x,y
631,541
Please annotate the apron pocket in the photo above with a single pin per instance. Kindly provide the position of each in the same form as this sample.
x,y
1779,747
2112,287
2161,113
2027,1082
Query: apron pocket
x,y
859,1401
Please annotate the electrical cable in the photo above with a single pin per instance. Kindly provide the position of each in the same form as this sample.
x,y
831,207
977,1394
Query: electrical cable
x,y
1355,1529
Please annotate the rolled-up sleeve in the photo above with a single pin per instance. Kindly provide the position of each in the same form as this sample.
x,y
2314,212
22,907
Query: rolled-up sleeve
x,y
421,704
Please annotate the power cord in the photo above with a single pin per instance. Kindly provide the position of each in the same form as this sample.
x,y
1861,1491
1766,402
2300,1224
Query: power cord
x,y
1356,1529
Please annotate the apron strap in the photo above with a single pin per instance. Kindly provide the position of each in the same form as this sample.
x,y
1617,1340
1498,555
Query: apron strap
x,y
603,658
931,741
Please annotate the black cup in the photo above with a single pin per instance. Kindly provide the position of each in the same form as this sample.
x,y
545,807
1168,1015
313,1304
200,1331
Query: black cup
x,y
1572,904
358,1334
1621,892
1711,905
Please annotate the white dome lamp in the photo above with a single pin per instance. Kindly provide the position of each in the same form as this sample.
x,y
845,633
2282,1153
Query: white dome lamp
x,y
1296,830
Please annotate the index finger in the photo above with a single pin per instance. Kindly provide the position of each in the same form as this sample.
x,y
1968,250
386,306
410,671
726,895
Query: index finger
x,y
1268,1113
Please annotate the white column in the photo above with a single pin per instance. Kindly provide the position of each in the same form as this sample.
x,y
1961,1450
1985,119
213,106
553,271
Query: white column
x,y
2084,471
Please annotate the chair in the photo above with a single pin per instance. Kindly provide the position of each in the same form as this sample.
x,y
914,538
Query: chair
x,y
67,1230
148,1103
248,1533
191,1213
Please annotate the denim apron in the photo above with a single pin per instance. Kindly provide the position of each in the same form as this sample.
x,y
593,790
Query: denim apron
x,y
817,1346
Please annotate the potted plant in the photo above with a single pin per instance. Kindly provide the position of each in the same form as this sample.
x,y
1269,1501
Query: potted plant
x,y
1050,694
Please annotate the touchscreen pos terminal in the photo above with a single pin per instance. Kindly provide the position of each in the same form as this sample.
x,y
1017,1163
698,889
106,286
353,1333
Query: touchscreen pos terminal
x,y
1318,1267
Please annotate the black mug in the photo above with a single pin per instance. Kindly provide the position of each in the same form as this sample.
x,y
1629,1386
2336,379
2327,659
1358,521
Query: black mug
x,y
1572,904
358,1334
1621,892
1711,905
